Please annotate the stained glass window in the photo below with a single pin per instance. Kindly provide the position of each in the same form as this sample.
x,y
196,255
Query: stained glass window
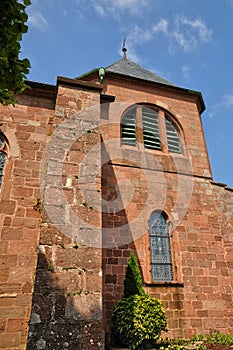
x,y
3,158
161,259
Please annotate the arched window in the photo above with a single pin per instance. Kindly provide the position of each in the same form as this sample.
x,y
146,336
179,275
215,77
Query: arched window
x,y
149,126
161,258
3,157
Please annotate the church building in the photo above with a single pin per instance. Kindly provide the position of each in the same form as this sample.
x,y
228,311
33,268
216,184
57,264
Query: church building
x,y
92,169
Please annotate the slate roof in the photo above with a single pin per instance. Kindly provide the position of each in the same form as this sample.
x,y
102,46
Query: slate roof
x,y
130,69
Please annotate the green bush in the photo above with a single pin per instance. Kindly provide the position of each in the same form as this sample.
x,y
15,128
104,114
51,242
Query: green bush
x,y
138,321
133,279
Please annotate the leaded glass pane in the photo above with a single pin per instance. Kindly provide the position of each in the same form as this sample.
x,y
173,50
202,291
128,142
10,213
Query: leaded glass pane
x,y
161,273
161,258
160,250
162,230
158,224
2,165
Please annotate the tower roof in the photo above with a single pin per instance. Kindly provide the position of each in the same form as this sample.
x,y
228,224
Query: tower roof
x,y
130,69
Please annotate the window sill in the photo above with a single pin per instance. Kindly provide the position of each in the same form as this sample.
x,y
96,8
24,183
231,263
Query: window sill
x,y
165,284
139,147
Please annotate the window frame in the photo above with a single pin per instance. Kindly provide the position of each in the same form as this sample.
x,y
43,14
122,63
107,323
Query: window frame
x,y
3,150
161,259
163,115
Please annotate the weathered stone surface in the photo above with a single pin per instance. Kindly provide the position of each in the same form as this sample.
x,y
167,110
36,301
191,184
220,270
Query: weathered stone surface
x,y
71,189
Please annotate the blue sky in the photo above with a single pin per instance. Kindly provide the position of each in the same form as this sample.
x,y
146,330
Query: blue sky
x,y
188,42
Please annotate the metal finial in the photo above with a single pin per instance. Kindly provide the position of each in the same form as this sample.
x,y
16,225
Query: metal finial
x,y
124,50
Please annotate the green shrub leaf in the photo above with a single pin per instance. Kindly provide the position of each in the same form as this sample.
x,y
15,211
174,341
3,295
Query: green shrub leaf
x,y
138,321
133,279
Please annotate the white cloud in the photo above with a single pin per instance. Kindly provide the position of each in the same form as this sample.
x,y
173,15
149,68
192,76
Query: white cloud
x,y
79,10
36,19
225,102
185,72
139,36
182,33
133,6
198,26
161,26
99,10
179,38
116,7
188,34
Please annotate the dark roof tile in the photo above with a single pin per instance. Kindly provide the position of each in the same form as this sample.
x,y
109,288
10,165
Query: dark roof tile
x,y
130,69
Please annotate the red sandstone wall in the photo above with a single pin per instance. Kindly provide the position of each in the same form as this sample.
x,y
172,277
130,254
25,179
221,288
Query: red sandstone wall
x,y
42,182
182,106
67,300
69,286
26,128
199,300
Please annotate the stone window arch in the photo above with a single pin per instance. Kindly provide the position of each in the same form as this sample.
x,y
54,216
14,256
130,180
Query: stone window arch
x,y
151,127
160,247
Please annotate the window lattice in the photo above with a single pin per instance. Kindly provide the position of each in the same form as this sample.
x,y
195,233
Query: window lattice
x,y
3,158
143,125
150,128
2,164
173,139
128,128
161,258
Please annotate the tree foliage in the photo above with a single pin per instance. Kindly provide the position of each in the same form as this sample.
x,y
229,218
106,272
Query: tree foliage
x,y
138,321
133,279
13,70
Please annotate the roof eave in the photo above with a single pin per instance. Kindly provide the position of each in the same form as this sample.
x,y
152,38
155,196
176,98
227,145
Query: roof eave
x,y
79,83
36,84
35,88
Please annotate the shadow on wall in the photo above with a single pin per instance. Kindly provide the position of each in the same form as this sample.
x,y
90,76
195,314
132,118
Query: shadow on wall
x,y
117,240
67,300
62,319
